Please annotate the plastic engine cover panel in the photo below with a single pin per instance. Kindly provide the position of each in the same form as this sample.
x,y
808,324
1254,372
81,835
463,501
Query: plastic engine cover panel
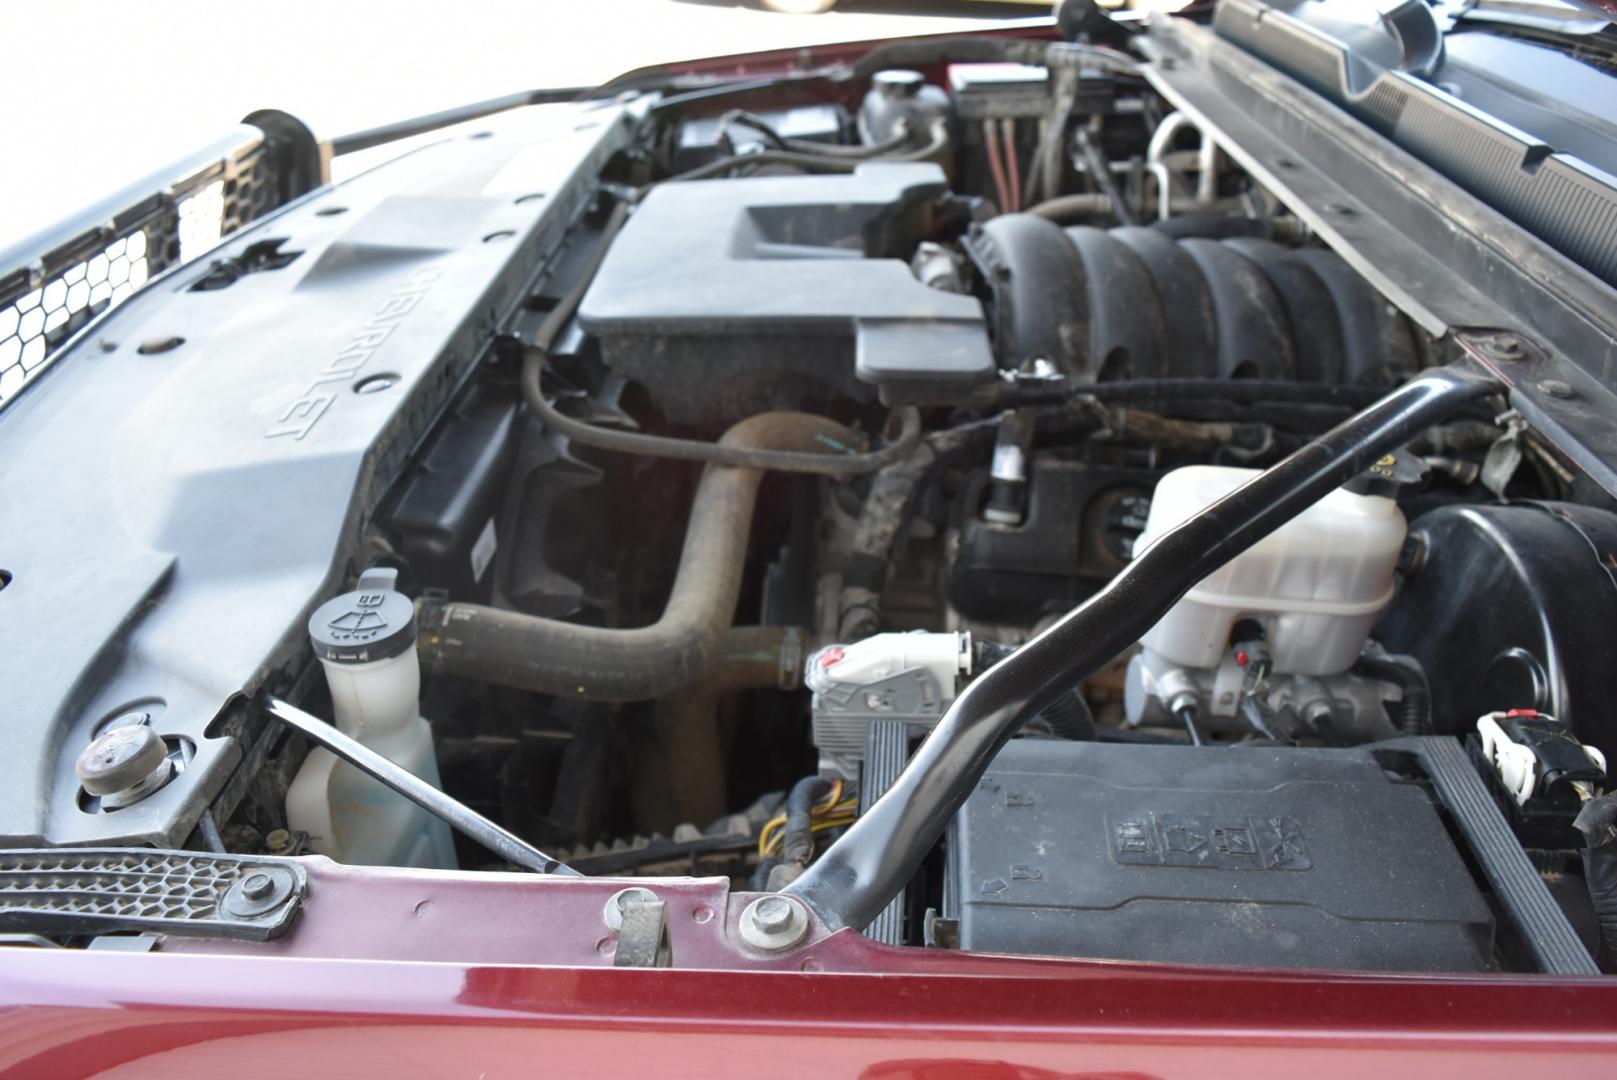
x,y
1282,857
171,516
741,296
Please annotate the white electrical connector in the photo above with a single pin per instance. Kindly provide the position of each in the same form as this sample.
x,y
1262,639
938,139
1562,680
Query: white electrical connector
x,y
906,677
946,656
1517,763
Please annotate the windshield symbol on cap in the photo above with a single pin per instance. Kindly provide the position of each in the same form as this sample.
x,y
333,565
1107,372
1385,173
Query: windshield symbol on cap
x,y
362,616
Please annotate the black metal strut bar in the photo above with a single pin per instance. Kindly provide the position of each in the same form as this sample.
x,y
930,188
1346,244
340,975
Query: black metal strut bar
x,y
858,874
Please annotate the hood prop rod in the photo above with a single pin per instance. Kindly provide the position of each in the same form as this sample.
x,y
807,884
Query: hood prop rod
x,y
462,818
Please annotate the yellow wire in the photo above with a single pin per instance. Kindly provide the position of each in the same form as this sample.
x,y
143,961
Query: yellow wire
x,y
766,834
777,841
833,804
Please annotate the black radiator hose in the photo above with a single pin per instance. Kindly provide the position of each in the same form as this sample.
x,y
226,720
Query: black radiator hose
x,y
863,870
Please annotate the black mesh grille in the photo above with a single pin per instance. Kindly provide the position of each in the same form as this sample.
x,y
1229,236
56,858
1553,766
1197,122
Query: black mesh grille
x,y
33,324
43,304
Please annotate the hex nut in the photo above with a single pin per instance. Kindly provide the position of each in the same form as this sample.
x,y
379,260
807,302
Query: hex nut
x,y
774,922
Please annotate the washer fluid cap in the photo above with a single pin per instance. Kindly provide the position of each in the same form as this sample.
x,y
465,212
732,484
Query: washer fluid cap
x,y
374,622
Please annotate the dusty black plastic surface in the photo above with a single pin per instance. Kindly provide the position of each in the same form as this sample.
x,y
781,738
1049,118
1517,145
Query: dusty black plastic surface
x,y
727,298
445,519
1079,530
1272,857
1138,302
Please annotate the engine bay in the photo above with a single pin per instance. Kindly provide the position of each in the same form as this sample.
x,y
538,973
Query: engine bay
x,y
764,483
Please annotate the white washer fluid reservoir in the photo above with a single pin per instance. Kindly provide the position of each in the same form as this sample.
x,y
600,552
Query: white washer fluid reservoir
x,y
366,642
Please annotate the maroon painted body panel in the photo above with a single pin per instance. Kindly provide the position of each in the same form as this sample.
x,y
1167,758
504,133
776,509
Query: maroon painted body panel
x,y
500,975
94,1014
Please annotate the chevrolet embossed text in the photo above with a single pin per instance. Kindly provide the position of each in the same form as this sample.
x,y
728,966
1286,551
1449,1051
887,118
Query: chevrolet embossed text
x,y
299,418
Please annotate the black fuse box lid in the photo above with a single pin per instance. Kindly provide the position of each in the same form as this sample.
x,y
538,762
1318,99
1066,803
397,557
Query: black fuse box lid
x,y
1271,857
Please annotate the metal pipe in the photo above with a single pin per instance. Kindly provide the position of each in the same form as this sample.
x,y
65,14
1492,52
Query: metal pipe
x,y
1156,154
857,876
462,818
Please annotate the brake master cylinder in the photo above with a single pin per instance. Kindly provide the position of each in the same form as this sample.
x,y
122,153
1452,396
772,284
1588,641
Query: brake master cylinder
x,y
366,642
1295,609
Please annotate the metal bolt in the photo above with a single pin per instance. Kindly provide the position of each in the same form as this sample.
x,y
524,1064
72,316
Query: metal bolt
x,y
613,915
774,922
1505,345
1557,389
772,914
257,886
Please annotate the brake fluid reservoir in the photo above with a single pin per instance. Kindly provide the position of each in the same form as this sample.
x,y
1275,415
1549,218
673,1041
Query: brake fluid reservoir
x,y
366,642
1316,584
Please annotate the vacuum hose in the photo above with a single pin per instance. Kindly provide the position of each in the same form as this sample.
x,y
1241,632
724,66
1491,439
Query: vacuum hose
x,y
856,877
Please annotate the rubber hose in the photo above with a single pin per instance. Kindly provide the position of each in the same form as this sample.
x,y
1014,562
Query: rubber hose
x,y
1064,208
1404,672
937,139
829,455
548,656
1070,718
797,836
1241,390
742,118
749,658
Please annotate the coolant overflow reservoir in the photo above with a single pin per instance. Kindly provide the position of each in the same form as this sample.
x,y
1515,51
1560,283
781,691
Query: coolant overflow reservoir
x,y
1316,584
365,640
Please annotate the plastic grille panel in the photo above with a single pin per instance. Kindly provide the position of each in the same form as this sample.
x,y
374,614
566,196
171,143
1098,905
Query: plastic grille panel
x,y
35,323
44,304
91,890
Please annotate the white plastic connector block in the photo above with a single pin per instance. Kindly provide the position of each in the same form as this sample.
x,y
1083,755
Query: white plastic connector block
x,y
946,656
1514,762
